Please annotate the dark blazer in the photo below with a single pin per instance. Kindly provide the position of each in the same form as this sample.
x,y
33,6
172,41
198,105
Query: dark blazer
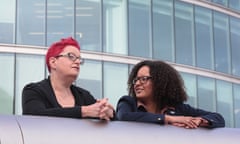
x,y
39,99
127,110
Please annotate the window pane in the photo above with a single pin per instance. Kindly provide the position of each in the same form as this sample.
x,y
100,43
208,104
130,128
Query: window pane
x,y
221,43
236,93
206,93
7,83
224,101
88,24
114,33
31,22
163,37
29,68
7,21
234,4
60,19
139,34
204,38
115,81
90,78
235,43
184,33
190,84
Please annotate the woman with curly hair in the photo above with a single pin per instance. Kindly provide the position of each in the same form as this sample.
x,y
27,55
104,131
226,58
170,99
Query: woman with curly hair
x,y
157,95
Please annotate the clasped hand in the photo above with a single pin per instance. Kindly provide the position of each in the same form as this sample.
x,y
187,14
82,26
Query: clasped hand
x,y
101,109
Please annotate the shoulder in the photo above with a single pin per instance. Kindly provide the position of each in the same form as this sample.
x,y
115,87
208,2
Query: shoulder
x,y
80,90
128,99
36,85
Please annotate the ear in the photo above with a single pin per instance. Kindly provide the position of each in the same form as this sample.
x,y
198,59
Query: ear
x,y
52,62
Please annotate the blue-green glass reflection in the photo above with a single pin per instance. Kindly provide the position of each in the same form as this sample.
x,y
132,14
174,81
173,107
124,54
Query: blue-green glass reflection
x,y
7,21
236,94
206,93
163,36
139,28
90,77
115,81
221,43
204,38
115,26
185,53
7,83
31,18
88,24
225,101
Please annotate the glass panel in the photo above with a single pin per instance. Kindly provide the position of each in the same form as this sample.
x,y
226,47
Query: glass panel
x,y
225,101
163,37
236,92
190,84
88,24
31,22
184,33
90,77
115,81
234,4
7,83
204,38
29,68
206,93
60,19
7,21
221,43
235,43
221,2
115,26
139,28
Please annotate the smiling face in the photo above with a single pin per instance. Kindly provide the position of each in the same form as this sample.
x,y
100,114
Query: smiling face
x,y
143,86
67,63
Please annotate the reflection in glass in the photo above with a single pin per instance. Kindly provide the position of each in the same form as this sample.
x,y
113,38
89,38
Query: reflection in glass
x,y
7,21
234,4
88,24
236,94
31,22
235,45
224,101
90,77
163,37
139,28
7,83
114,33
115,81
185,53
190,84
29,68
60,19
206,93
204,38
221,43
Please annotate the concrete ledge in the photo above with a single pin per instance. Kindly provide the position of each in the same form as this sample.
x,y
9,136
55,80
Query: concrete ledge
x,y
16,129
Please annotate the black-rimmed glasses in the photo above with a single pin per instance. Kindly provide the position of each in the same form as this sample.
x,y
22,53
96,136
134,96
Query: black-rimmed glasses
x,y
71,56
142,79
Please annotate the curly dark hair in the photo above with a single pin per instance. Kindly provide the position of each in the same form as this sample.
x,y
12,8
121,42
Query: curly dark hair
x,y
168,85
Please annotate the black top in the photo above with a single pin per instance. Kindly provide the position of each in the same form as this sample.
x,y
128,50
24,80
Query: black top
x,y
39,99
127,110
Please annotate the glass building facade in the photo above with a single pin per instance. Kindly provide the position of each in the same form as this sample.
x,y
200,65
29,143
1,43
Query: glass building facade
x,y
200,38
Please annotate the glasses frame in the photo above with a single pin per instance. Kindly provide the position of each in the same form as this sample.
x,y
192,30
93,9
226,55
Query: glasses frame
x,y
71,57
142,79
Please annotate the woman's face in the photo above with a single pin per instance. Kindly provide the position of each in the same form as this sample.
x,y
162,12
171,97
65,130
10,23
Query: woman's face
x,y
143,84
67,63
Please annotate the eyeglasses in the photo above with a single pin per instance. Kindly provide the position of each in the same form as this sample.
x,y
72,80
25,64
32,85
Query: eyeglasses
x,y
142,79
71,56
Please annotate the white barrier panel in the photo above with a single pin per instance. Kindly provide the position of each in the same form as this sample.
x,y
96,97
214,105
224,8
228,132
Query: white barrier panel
x,y
51,130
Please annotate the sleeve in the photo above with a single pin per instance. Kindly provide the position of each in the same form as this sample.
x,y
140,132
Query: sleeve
x,y
215,119
35,102
127,111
